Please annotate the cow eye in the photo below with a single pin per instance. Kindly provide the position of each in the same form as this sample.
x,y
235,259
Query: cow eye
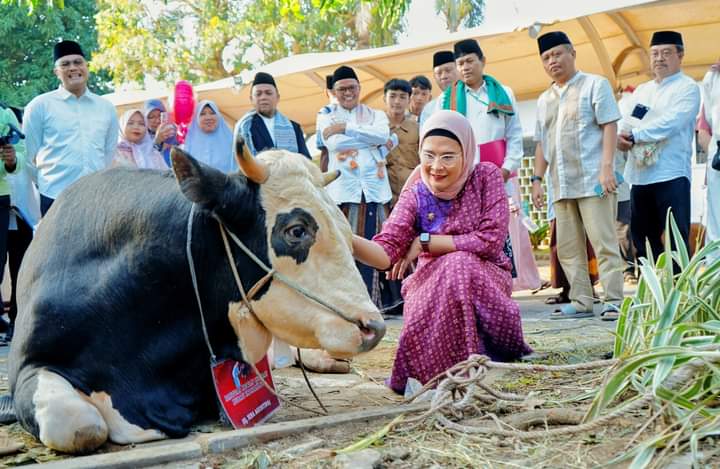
x,y
296,233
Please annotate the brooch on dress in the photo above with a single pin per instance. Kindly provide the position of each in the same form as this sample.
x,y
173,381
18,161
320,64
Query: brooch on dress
x,y
430,216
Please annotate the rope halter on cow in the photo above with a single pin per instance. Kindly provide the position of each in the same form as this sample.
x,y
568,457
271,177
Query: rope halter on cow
x,y
245,298
259,174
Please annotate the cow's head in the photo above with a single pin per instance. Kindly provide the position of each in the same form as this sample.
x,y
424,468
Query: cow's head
x,y
308,240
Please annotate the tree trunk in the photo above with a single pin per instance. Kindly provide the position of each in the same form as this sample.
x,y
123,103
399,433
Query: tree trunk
x,y
362,25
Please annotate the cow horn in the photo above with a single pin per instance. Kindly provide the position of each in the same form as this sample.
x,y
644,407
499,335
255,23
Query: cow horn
x,y
330,176
255,170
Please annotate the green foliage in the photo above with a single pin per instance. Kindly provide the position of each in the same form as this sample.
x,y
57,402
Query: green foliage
x,y
208,39
32,5
670,325
26,65
538,236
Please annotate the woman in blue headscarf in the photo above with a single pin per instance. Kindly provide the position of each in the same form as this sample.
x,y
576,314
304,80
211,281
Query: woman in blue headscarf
x,y
209,139
161,133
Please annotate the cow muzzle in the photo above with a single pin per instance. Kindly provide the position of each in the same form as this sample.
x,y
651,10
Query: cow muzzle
x,y
372,332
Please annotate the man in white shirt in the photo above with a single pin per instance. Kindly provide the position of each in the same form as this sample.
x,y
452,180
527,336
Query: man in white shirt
x,y
492,111
445,74
70,132
659,137
576,132
488,105
265,127
353,134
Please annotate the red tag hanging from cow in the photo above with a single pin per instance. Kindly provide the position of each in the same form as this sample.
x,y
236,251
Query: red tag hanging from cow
x,y
183,108
244,399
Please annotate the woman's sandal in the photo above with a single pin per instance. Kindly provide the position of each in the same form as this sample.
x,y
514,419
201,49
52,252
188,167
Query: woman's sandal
x,y
570,312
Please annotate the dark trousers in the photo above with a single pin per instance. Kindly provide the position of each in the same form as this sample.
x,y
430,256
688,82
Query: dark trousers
x,y
622,230
4,219
649,204
45,203
17,243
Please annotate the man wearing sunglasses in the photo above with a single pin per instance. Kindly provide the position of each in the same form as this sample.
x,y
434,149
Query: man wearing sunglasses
x,y
70,131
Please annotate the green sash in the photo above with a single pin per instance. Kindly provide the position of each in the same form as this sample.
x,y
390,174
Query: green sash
x,y
454,98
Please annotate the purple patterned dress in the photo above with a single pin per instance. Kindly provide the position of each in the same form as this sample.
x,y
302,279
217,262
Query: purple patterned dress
x,y
459,303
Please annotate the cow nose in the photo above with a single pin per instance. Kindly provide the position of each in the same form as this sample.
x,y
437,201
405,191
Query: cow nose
x,y
372,332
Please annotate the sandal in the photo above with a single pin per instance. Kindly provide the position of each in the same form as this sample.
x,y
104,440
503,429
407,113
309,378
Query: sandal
x,y
610,313
557,299
570,312
630,278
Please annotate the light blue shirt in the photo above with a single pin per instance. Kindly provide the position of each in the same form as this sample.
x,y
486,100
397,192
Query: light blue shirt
x,y
68,137
675,103
364,133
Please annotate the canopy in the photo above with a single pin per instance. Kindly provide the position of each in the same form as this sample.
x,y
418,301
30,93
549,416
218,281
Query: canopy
x,y
611,38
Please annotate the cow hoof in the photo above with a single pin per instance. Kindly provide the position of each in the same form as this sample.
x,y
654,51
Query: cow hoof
x,y
88,439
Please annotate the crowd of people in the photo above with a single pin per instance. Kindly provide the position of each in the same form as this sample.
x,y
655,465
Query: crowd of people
x,y
429,186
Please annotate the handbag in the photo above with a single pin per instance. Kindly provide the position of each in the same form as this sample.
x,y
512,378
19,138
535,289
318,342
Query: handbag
x,y
716,159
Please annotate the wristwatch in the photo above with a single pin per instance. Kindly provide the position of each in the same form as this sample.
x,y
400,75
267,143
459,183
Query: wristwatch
x,y
425,242
535,178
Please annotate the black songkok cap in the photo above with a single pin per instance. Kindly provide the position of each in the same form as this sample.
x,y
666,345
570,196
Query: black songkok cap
x,y
64,48
328,82
442,57
467,46
262,78
666,37
342,73
549,40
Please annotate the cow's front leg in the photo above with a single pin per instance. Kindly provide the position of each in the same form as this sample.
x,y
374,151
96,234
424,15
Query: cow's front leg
x,y
66,421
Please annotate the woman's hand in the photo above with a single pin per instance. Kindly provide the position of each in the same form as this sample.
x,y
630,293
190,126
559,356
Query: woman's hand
x,y
164,132
398,270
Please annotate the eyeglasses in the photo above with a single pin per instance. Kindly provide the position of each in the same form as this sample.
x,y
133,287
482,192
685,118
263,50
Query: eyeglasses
x,y
67,63
665,53
446,160
346,89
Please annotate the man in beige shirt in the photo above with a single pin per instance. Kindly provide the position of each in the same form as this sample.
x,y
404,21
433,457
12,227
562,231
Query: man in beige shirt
x,y
403,157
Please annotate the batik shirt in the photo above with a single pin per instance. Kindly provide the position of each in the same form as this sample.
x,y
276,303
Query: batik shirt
x,y
569,128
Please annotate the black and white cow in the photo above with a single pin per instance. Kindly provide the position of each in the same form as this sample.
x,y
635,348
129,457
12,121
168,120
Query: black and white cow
x,y
109,343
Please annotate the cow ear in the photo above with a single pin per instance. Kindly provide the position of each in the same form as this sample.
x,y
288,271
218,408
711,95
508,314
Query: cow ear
x,y
199,183
253,337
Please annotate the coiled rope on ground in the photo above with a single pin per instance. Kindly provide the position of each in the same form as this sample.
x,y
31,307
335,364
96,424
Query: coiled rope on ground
x,y
460,388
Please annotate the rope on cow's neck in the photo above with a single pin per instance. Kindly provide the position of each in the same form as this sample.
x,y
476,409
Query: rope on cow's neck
x,y
278,276
246,301
188,251
253,290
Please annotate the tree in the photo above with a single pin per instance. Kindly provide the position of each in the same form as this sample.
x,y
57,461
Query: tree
x,y
206,40
26,65
465,13
32,5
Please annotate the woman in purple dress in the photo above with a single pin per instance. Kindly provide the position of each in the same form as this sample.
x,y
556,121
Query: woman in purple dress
x,y
452,216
